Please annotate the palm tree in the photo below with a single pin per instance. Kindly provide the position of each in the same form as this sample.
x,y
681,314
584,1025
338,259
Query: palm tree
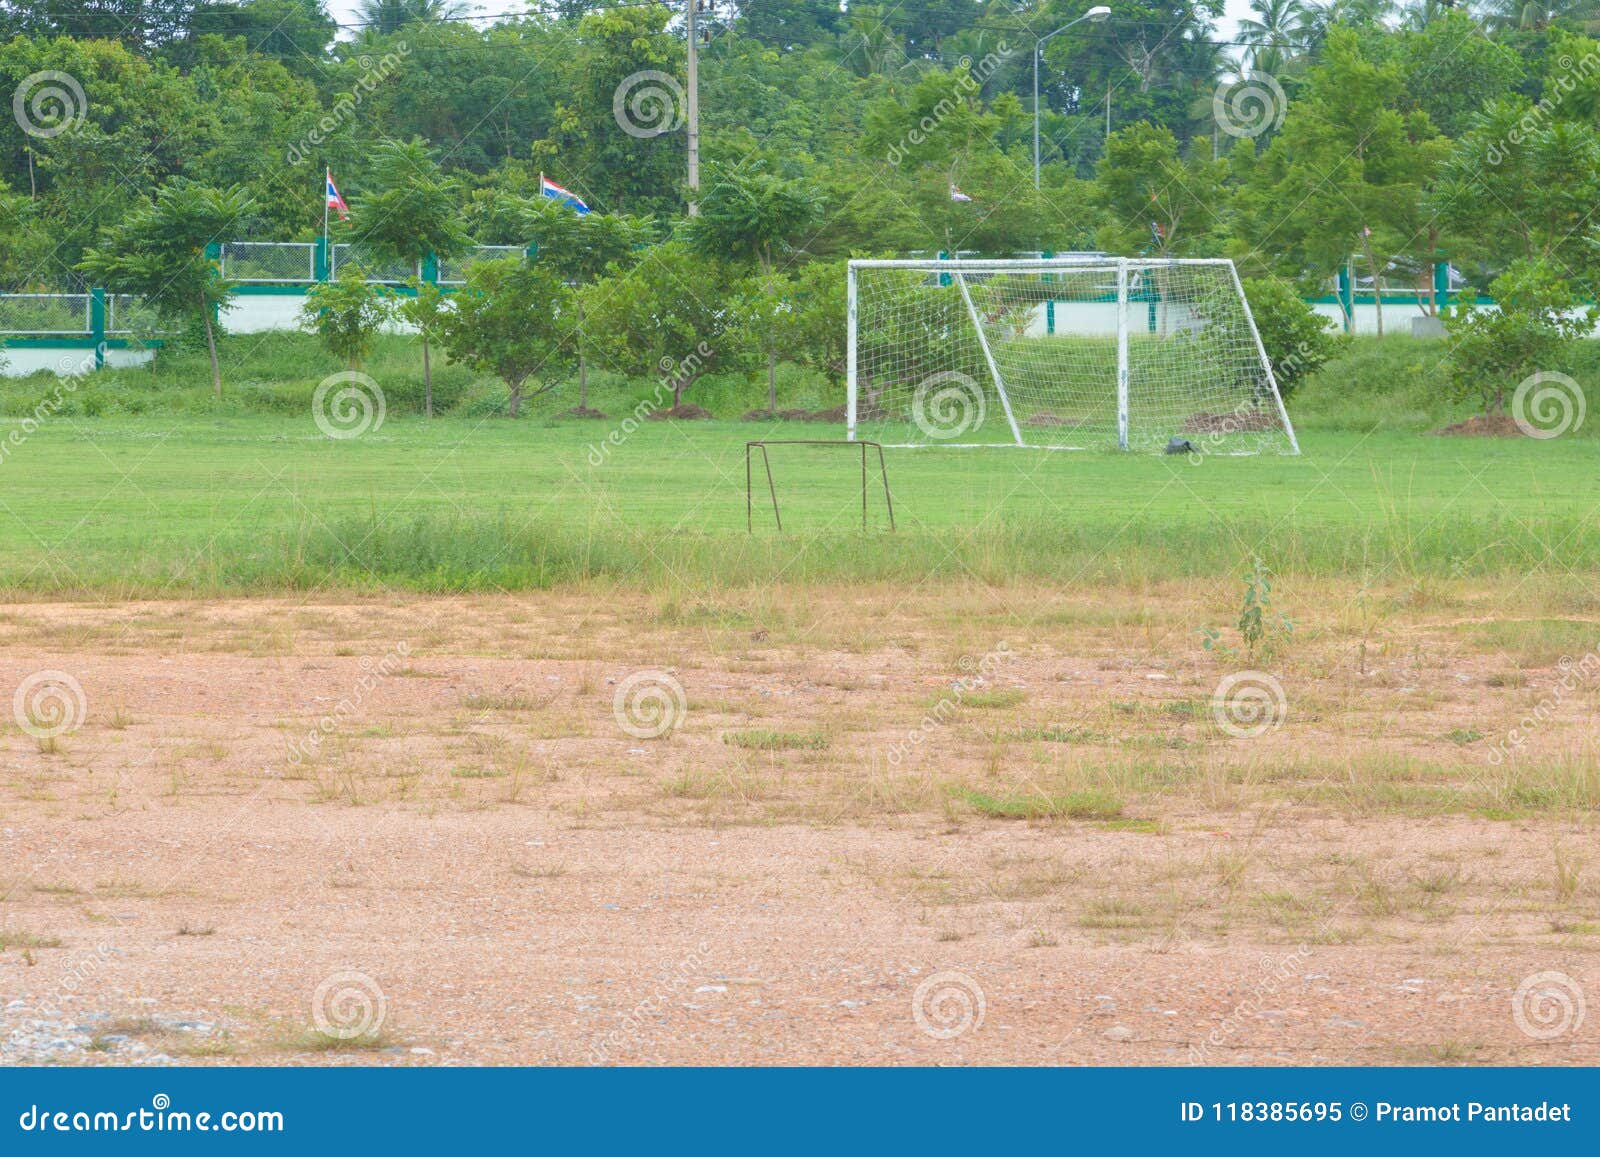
x,y
383,17
1421,13
1279,32
1534,15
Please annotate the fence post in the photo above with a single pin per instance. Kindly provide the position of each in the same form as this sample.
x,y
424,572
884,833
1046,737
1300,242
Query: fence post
x,y
97,325
1347,297
1441,282
319,260
430,269
944,278
1050,303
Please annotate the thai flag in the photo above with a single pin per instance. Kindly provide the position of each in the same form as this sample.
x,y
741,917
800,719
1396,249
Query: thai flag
x,y
336,202
549,188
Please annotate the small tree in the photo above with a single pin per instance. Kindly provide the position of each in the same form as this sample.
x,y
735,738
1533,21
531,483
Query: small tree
x,y
676,314
159,253
426,311
346,314
413,215
516,320
751,215
1532,330
580,248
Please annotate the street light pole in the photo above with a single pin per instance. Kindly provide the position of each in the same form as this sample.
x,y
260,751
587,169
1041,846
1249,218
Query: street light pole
x,y
1096,14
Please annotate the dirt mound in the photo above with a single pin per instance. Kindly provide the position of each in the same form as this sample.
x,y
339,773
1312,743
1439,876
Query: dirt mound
x,y
1484,426
834,415
585,412
1248,421
1044,419
688,412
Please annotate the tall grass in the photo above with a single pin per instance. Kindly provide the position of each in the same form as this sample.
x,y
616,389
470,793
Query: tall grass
x,y
462,553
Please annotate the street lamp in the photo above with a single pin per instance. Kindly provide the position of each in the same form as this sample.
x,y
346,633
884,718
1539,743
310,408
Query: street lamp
x,y
1096,14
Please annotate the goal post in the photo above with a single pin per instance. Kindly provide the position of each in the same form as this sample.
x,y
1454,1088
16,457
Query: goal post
x,y
1061,353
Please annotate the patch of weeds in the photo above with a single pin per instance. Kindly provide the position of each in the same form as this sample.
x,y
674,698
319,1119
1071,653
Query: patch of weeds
x,y
1462,736
999,697
1056,735
761,739
1081,805
513,701
1261,633
1112,913
14,938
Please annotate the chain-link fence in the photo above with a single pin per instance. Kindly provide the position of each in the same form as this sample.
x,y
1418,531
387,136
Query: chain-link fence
x,y
44,313
266,261
453,270
345,256
126,314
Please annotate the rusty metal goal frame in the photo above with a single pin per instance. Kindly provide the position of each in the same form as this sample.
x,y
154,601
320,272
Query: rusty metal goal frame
x,y
772,489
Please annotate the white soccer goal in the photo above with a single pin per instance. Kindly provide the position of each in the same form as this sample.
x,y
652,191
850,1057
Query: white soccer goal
x,y
1062,353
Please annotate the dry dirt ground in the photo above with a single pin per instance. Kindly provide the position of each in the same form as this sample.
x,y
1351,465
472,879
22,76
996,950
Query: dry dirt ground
x,y
945,826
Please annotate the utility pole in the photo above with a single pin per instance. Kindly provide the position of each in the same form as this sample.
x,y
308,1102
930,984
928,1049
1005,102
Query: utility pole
x,y
693,102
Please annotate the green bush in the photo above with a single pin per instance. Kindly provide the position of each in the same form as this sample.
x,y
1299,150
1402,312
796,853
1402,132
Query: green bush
x,y
1532,330
1298,340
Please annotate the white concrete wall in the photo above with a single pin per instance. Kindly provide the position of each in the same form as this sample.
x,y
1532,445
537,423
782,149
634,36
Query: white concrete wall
x,y
259,313
22,362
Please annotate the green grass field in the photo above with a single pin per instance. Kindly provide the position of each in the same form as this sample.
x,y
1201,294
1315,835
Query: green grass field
x,y
191,503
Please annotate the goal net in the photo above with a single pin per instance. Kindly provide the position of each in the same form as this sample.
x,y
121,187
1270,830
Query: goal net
x,y
1069,353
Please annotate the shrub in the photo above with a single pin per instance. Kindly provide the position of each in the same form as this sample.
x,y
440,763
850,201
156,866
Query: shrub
x,y
1533,329
1298,340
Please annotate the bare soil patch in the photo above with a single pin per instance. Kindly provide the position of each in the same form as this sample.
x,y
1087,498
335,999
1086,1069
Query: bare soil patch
x,y
862,797
1248,421
1484,426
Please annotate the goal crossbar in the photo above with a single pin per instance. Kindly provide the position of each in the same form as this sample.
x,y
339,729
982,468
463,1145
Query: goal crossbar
x,y
1060,353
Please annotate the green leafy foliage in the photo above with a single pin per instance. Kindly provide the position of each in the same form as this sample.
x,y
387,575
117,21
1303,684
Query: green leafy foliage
x,y
1538,318
159,254
516,320
674,317
346,315
1298,340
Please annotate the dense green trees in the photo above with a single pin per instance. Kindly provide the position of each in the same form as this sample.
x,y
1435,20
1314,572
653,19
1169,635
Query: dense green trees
x,y
880,110
1393,134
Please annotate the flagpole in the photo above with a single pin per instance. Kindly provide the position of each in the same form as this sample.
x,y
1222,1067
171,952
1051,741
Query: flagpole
x,y
327,250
